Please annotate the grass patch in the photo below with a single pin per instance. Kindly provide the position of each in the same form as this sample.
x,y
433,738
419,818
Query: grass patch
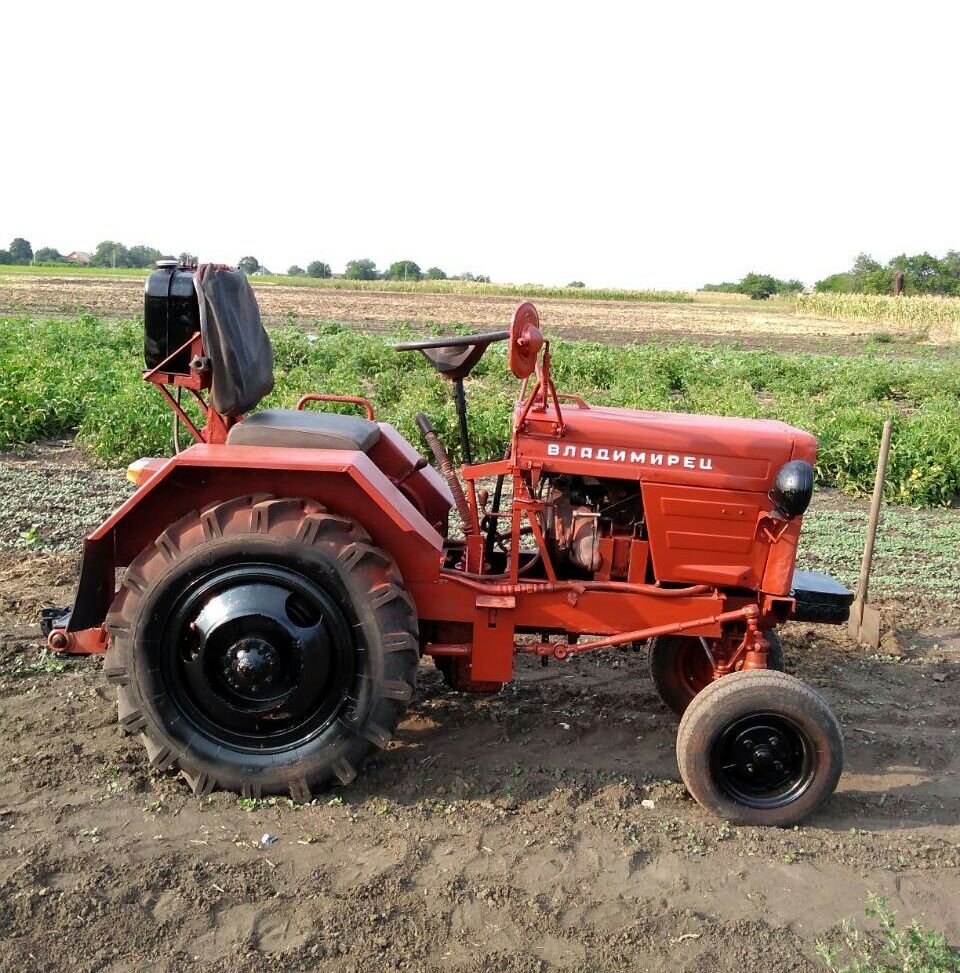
x,y
82,376
916,553
891,949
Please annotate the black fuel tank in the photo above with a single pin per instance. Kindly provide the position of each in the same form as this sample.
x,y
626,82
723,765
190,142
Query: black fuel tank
x,y
171,315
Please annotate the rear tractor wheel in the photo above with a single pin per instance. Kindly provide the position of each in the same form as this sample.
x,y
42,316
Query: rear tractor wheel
x,y
680,666
760,747
262,646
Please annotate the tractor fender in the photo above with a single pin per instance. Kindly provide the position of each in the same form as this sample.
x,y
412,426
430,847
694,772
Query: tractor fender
x,y
347,482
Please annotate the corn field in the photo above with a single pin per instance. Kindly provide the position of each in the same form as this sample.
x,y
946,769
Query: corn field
x,y
920,312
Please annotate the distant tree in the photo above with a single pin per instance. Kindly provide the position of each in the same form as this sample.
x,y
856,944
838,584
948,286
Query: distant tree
x,y
249,265
435,273
48,255
294,271
758,287
576,283
727,287
921,273
363,269
403,270
109,253
317,268
141,256
5,257
20,251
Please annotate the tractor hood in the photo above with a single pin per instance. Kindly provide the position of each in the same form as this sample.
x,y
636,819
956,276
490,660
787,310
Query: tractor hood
x,y
666,447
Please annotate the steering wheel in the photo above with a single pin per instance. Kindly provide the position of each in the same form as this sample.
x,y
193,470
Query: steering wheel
x,y
454,357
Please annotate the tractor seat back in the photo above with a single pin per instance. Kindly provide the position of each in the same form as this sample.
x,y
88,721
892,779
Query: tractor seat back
x,y
235,341
311,430
218,302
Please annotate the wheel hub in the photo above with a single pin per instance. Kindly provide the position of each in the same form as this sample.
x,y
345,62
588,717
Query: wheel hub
x,y
252,665
264,655
762,760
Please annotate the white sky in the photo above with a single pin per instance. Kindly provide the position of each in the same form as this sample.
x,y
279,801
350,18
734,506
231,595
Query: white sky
x,y
659,145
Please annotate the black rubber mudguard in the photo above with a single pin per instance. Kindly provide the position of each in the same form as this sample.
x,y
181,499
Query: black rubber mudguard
x,y
820,598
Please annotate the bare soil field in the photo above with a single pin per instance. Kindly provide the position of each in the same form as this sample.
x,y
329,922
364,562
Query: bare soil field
x,y
769,324
496,833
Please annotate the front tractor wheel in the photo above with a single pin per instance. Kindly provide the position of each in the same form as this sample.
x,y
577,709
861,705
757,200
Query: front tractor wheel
x,y
680,667
263,646
760,747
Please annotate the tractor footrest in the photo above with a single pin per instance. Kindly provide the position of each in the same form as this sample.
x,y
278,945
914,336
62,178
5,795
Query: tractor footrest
x,y
51,618
820,598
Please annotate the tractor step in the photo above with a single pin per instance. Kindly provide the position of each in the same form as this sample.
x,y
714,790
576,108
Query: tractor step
x,y
820,598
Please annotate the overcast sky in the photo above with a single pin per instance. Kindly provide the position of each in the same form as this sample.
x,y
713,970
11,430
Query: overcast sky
x,y
659,145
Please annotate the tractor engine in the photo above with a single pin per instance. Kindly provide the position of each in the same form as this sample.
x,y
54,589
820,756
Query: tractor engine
x,y
591,524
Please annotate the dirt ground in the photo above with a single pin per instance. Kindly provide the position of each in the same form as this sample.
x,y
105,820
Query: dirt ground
x,y
710,320
496,833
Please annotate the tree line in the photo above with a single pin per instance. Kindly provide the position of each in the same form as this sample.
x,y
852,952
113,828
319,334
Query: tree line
x,y
366,269
758,287
919,273
922,273
111,253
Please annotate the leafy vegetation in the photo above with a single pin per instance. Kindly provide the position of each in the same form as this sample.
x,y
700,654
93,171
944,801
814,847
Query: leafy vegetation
x,y
921,273
82,375
758,287
361,269
892,949
403,270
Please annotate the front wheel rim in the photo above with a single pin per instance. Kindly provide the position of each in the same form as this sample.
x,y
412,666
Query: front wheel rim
x,y
763,760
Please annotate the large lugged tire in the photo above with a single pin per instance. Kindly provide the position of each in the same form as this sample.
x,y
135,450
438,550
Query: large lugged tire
x,y
263,646
760,747
680,668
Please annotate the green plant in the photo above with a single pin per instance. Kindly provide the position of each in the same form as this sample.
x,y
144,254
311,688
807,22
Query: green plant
x,y
403,270
841,399
362,269
891,949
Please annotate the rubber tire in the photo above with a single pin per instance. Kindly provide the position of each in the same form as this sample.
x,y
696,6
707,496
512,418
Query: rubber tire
x,y
737,695
286,531
661,658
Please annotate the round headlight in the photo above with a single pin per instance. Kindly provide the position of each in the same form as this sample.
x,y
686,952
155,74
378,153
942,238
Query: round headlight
x,y
792,488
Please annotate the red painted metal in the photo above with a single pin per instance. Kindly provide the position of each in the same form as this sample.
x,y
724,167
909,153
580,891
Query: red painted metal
x,y
712,560
86,641
526,340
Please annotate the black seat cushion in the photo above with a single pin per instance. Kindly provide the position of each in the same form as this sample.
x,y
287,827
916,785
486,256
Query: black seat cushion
x,y
316,430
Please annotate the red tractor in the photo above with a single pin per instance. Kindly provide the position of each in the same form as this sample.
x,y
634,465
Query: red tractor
x,y
285,574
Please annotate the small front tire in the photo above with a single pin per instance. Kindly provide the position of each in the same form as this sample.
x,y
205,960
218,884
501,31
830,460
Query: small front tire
x,y
760,748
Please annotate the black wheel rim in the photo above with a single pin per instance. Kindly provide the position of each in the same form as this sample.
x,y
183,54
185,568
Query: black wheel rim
x,y
764,760
257,657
